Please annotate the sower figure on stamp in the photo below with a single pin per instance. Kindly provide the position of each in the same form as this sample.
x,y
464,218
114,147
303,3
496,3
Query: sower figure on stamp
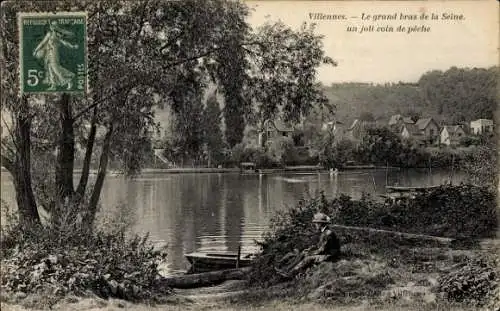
x,y
327,249
48,50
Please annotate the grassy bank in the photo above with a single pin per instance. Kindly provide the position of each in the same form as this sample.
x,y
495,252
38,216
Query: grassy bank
x,y
389,269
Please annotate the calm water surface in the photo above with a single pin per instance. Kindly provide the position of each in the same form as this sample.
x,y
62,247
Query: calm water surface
x,y
219,212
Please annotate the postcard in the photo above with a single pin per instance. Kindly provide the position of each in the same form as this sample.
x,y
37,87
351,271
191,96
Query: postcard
x,y
227,155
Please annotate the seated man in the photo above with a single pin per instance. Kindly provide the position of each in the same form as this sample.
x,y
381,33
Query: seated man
x,y
327,249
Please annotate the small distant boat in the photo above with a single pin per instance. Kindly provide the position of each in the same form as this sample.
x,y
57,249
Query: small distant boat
x,y
248,168
217,261
410,189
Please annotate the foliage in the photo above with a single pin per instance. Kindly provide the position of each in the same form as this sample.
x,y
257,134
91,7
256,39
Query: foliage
x,y
460,212
289,229
379,146
283,71
337,155
212,131
299,156
56,261
146,54
381,100
278,147
470,282
251,153
188,129
463,211
461,94
457,94
481,166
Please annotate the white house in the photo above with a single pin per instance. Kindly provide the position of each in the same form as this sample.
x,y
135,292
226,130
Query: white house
x,y
450,135
480,126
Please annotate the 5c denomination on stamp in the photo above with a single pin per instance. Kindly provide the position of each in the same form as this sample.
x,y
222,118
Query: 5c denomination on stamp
x,y
53,52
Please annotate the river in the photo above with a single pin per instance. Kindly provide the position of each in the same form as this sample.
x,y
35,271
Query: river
x,y
220,211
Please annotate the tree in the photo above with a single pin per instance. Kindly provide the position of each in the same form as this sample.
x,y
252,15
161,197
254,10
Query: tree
x,y
379,146
283,72
138,51
337,154
143,54
461,94
212,131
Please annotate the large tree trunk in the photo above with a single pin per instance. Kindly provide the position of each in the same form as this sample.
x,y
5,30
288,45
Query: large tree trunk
x,y
28,212
101,174
82,185
66,152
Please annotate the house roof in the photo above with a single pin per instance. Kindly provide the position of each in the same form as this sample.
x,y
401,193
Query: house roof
x,y
482,122
422,123
452,129
395,119
408,120
358,124
412,129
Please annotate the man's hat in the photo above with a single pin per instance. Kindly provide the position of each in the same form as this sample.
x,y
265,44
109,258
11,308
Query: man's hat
x,y
320,218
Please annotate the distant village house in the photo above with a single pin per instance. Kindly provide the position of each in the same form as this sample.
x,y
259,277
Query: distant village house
x,y
451,135
481,126
412,132
429,129
272,130
358,129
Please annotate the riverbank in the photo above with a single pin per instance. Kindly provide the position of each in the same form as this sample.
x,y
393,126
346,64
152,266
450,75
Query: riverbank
x,y
287,169
358,282
201,170
379,269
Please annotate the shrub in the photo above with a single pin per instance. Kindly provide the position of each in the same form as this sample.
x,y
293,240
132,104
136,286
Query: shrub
x,y
290,229
472,282
338,154
463,211
57,261
251,153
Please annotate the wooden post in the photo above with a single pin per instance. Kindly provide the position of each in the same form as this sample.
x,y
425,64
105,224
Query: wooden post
x,y
238,257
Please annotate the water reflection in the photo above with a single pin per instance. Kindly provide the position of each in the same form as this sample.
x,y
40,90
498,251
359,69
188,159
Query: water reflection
x,y
192,212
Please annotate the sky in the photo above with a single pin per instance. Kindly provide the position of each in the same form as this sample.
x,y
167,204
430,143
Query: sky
x,y
380,57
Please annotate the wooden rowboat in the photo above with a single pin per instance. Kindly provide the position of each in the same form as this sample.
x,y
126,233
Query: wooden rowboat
x,y
217,261
410,189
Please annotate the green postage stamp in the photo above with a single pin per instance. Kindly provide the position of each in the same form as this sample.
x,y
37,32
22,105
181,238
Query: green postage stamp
x,y
53,52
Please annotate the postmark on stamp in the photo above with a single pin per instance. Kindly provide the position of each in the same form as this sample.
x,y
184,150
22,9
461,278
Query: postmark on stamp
x,y
53,52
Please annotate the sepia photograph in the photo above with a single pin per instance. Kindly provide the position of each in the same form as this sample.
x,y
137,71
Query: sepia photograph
x,y
249,155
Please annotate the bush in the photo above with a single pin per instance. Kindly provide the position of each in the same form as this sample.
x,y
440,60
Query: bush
x,y
472,282
257,155
337,155
56,262
290,229
463,211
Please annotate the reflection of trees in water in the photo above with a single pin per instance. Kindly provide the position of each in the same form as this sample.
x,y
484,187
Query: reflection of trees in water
x,y
208,210
234,214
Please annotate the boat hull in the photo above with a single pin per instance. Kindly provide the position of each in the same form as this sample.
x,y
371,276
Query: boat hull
x,y
216,261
